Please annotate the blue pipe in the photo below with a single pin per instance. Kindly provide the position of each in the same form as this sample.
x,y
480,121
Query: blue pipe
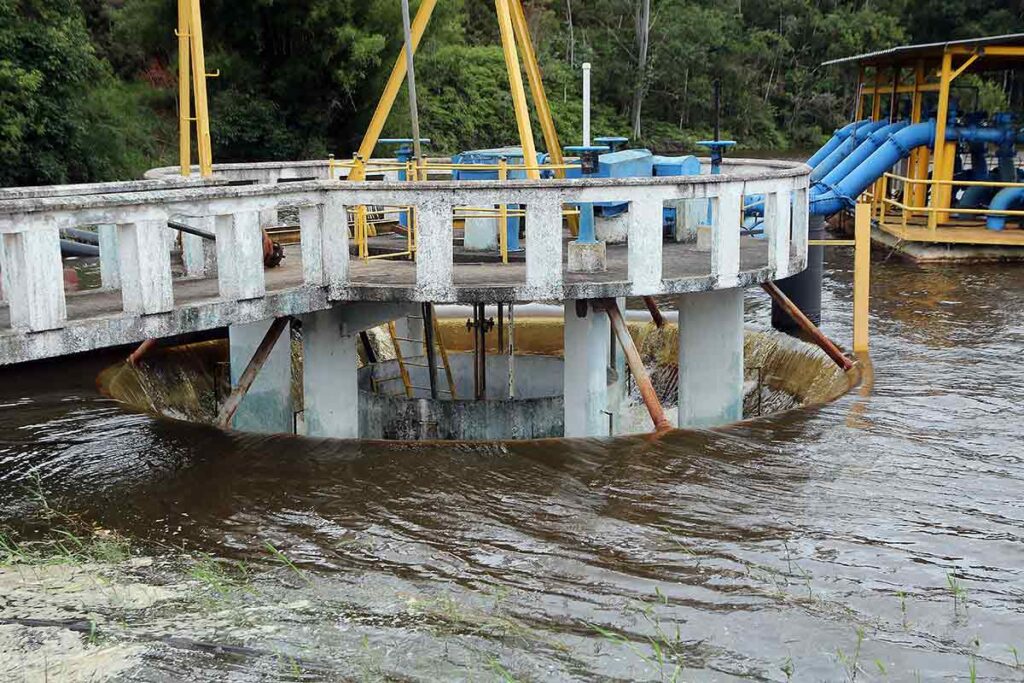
x,y
1004,200
857,156
837,138
858,135
842,194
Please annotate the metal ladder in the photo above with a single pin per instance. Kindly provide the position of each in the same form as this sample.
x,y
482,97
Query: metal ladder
x,y
433,343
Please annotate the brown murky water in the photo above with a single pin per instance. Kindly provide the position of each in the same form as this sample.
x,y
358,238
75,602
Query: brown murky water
x,y
877,538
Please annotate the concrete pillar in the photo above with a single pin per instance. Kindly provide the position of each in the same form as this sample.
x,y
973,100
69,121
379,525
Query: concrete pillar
x,y
544,248
33,276
144,262
199,255
110,270
644,258
267,408
710,358
585,382
240,256
330,388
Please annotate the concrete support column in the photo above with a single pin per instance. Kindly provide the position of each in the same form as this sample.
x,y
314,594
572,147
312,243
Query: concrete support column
x,y
267,408
329,383
585,382
617,387
324,233
110,270
710,358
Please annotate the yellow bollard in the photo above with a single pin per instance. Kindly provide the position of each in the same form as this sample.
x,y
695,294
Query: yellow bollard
x,y
503,213
861,276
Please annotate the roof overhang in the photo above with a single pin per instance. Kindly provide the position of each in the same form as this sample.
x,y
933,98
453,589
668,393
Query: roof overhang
x,y
931,52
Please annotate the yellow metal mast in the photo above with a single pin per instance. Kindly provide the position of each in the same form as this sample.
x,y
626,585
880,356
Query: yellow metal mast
x,y
515,79
533,74
199,84
394,84
184,93
939,192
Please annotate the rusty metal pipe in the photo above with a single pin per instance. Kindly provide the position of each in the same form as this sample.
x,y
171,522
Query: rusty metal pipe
x,y
259,358
656,316
816,335
636,366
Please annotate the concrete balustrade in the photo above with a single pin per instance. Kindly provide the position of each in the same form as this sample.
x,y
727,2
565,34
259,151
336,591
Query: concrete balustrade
x,y
135,254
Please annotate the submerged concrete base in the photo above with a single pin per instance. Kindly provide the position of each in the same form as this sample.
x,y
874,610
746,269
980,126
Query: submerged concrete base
x,y
267,407
587,341
587,257
711,358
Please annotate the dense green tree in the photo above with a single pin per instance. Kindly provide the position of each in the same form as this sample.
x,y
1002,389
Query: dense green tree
x,y
88,89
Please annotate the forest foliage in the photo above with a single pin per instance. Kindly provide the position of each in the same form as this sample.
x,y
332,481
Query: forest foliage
x,y
88,88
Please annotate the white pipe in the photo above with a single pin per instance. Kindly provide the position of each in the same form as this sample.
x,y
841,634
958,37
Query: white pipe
x,y
586,104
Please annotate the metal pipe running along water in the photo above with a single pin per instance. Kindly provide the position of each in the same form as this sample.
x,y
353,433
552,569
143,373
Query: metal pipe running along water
x,y
837,138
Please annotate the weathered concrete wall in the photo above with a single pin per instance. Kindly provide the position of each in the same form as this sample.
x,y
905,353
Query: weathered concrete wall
x,y
390,417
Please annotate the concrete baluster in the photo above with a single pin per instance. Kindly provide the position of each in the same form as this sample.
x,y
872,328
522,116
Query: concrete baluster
x,y
144,261
777,223
110,259
323,231
240,256
199,255
645,245
800,222
34,279
725,235
434,257
544,246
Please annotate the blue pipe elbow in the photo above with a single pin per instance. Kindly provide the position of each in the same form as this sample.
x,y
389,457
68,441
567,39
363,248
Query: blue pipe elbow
x,y
837,138
857,136
1005,199
857,156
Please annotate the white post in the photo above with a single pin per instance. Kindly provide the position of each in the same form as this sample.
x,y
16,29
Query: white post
x,y
144,262
586,104
34,280
585,382
710,358
240,256
110,271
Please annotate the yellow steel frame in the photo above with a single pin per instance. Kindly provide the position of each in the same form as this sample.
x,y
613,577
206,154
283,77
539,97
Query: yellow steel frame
x,y
940,159
515,37
192,68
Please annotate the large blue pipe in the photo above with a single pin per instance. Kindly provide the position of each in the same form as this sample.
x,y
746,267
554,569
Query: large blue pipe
x,y
858,136
1005,199
898,146
857,156
837,138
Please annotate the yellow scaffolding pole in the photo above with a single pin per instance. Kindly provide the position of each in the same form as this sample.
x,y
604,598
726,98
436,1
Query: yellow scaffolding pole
x,y
918,194
184,90
536,81
394,84
515,79
939,194
199,84
861,276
